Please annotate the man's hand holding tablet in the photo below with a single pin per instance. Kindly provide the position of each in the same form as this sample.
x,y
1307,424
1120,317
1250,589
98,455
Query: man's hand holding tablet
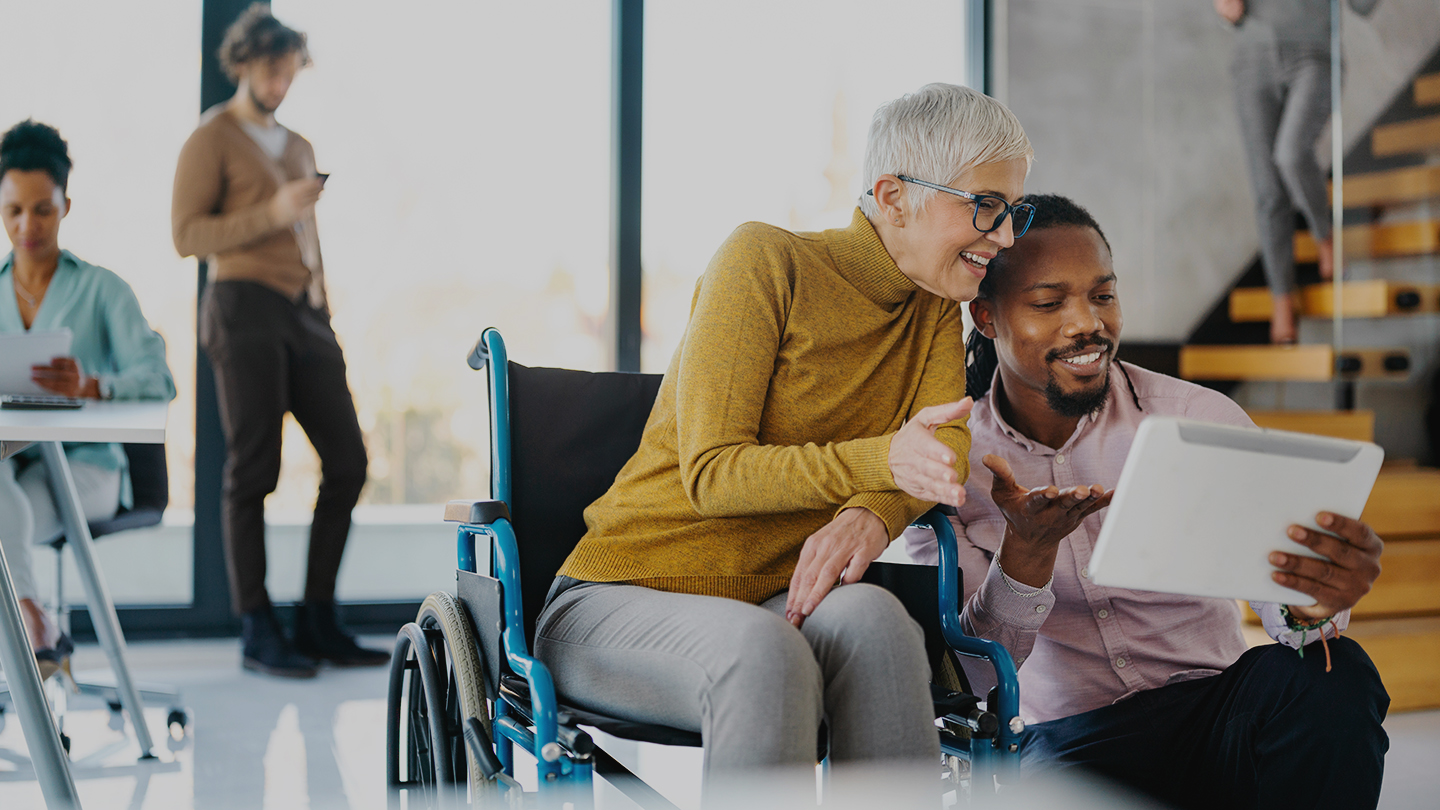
x,y
1350,567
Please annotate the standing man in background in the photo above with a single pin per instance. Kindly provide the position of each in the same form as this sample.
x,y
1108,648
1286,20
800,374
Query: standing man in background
x,y
245,193
1282,94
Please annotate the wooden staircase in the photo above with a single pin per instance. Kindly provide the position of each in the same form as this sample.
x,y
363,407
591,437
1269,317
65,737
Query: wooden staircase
x,y
1398,622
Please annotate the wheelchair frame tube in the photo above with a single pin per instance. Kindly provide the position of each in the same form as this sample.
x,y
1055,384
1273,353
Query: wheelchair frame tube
x,y
544,706
499,374
1006,675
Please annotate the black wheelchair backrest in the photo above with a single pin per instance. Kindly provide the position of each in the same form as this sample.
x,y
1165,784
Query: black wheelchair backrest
x,y
570,433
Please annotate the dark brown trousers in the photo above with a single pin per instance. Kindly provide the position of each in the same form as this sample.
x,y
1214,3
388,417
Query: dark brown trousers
x,y
272,355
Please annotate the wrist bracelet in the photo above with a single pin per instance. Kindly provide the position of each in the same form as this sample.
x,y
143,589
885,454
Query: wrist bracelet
x,y
1006,579
1302,622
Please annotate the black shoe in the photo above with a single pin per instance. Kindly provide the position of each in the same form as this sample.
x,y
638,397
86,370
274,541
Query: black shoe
x,y
53,659
318,634
267,650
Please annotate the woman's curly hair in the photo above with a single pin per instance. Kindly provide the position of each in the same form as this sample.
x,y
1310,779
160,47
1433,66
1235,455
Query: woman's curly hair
x,y
33,146
256,34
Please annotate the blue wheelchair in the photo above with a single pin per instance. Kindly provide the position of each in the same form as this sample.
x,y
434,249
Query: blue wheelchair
x,y
464,691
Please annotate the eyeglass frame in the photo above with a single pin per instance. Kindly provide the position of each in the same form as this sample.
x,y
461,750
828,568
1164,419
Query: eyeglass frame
x,y
1008,213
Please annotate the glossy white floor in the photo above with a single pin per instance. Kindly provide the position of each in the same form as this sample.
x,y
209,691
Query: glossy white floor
x,y
258,742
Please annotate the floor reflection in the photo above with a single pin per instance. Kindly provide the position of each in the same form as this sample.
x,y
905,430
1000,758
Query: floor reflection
x,y
258,742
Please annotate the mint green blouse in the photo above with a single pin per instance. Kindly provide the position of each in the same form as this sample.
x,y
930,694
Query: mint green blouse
x,y
111,341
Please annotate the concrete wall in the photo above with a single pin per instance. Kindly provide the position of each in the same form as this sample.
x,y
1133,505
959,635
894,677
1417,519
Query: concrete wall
x,y
1129,106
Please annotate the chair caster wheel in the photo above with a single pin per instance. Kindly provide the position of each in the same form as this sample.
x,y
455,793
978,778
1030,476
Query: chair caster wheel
x,y
176,722
65,742
117,720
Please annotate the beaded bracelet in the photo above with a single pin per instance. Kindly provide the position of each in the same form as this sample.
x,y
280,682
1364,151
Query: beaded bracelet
x,y
1311,624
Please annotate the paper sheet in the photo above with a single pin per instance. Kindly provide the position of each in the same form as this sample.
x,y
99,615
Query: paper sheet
x,y
21,350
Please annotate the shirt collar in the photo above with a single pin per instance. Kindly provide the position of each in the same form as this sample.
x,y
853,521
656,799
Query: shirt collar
x,y
66,258
862,260
1032,446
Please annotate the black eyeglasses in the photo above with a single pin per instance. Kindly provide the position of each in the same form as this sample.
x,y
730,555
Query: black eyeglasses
x,y
990,210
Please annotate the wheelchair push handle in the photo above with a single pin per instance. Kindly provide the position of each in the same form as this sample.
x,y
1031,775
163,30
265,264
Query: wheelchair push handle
x,y
479,356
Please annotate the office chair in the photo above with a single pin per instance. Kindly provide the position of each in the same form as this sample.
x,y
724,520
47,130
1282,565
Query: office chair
x,y
150,485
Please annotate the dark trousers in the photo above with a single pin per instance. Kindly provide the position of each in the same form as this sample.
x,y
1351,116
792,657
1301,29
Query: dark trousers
x,y
272,355
1274,730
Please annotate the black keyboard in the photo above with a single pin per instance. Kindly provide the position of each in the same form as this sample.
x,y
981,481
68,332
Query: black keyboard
x,y
40,402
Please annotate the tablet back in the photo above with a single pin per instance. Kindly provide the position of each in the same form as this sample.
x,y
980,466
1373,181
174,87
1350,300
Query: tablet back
x,y
1199,507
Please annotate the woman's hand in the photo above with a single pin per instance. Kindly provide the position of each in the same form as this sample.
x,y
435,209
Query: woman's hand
x,y
1352,563
838,553
1037,520
922,465
64,377
1231,10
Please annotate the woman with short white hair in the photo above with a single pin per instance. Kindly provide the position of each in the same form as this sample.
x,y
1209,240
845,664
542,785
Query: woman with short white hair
x,y
812,410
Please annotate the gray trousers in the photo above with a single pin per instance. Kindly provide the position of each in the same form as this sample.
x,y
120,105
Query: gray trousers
x,y
1282,93
28,513
755,687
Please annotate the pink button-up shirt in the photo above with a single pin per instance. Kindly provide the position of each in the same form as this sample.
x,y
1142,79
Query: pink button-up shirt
x,y
1081,646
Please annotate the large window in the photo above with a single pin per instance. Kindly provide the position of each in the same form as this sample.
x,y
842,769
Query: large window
x,y
758,110
125,107
468,145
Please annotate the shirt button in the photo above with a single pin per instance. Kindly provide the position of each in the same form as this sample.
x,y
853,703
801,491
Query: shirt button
x,y
1120,662
1060,459
1104,614
1085,572
1039,608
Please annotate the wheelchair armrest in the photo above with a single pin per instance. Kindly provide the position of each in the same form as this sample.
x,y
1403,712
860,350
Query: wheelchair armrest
x,y
1007,678
480,513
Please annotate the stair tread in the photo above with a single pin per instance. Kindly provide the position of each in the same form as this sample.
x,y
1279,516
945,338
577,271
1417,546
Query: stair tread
x,y
1410,184
1375,298
1380,240
1427,89
1405,502
1356,425
1406,137
1409,581
1304,362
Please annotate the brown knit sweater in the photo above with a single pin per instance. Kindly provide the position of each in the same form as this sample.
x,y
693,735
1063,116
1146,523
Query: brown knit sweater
x,y
221,208
804,354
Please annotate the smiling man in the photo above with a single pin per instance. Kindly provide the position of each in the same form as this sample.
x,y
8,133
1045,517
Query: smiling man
x,y
1154,690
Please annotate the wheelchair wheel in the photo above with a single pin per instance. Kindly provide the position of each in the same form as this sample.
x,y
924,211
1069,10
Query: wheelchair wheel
x,y
436,684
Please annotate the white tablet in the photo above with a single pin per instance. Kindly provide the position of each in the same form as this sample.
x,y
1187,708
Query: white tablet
x,y
21,350
1199,507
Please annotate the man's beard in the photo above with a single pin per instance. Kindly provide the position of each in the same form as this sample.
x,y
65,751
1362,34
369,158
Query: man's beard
x,y
1081,403
260,105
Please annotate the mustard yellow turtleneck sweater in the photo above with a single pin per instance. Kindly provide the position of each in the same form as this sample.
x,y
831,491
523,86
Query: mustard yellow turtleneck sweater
x,y
804,354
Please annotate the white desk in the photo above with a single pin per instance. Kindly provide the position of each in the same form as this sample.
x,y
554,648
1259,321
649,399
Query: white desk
x,y
129,422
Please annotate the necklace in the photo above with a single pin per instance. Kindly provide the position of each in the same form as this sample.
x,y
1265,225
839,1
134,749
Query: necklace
x,y
32,300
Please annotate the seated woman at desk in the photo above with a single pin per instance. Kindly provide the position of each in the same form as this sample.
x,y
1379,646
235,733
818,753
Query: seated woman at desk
x,y
115,355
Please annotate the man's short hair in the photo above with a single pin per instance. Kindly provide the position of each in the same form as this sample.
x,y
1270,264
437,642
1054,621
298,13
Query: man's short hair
x,y
938,133
1051,211
256,34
